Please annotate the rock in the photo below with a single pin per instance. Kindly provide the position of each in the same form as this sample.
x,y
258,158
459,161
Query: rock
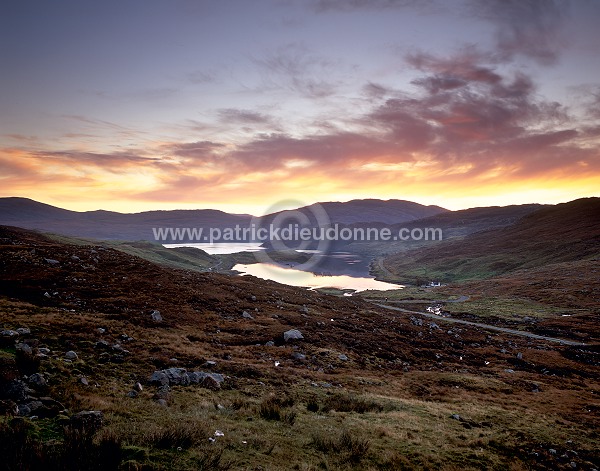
x,y
37,380
247,315
132,394
509,370
103,344
253,298
156,317
519,356
100,330
343,357
177,376
304,309
270,343
159,378
17,390
89,420
83,380
416,321
293,334
44,351
24,348
298,356
75,258
455,417
23,331
71,355
138,387
433,325
23,410
47,295
162,403
9,333
210,363
552,451
212,381
51,261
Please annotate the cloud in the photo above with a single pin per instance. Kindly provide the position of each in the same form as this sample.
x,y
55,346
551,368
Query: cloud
x,y
530,28
352,5
242,116
295,68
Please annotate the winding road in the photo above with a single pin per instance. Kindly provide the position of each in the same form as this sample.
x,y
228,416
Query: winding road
x,y
482,326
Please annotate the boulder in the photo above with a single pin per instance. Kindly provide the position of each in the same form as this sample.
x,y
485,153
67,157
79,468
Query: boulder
x,y
293,334
156,317
71,355
37,381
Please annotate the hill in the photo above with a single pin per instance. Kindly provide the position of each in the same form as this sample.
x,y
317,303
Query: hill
x,y
109,225
113,362
562,233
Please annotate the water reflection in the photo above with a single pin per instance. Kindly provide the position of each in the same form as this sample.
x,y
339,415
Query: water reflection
x,y
291,276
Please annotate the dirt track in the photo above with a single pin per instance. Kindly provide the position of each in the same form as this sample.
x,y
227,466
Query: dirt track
x,y
484,326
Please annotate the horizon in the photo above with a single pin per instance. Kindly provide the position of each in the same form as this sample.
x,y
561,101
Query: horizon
x,y
236,106
292,207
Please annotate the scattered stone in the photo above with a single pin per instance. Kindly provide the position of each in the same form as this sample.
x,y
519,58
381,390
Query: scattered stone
x,y
47,295
44,351
509,370
23,331
23,348
71,355
75,258
17,390
51,261
103,344
100,330
162,403
433,325
10,333
343,357
298,356
83,380
552,451
416,321
247,315
210,364
519,356
253,298
270,343
455,417
138,387
156,317
304,309
37,380
132,394
293,334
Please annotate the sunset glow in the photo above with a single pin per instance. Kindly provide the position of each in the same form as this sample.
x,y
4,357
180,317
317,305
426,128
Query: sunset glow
x,y
133,106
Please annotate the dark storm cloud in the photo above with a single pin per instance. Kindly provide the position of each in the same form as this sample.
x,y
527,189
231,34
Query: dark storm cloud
x,y
531,28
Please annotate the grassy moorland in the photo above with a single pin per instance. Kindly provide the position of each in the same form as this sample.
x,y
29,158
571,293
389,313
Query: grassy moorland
x,y
365,388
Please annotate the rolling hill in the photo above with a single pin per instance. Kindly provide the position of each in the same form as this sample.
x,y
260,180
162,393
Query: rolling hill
x,y
562,233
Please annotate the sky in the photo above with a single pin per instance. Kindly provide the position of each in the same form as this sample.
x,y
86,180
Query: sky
x,y
235,105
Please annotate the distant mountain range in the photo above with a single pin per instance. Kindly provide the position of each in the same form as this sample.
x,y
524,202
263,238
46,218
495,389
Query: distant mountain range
x,y
109,225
